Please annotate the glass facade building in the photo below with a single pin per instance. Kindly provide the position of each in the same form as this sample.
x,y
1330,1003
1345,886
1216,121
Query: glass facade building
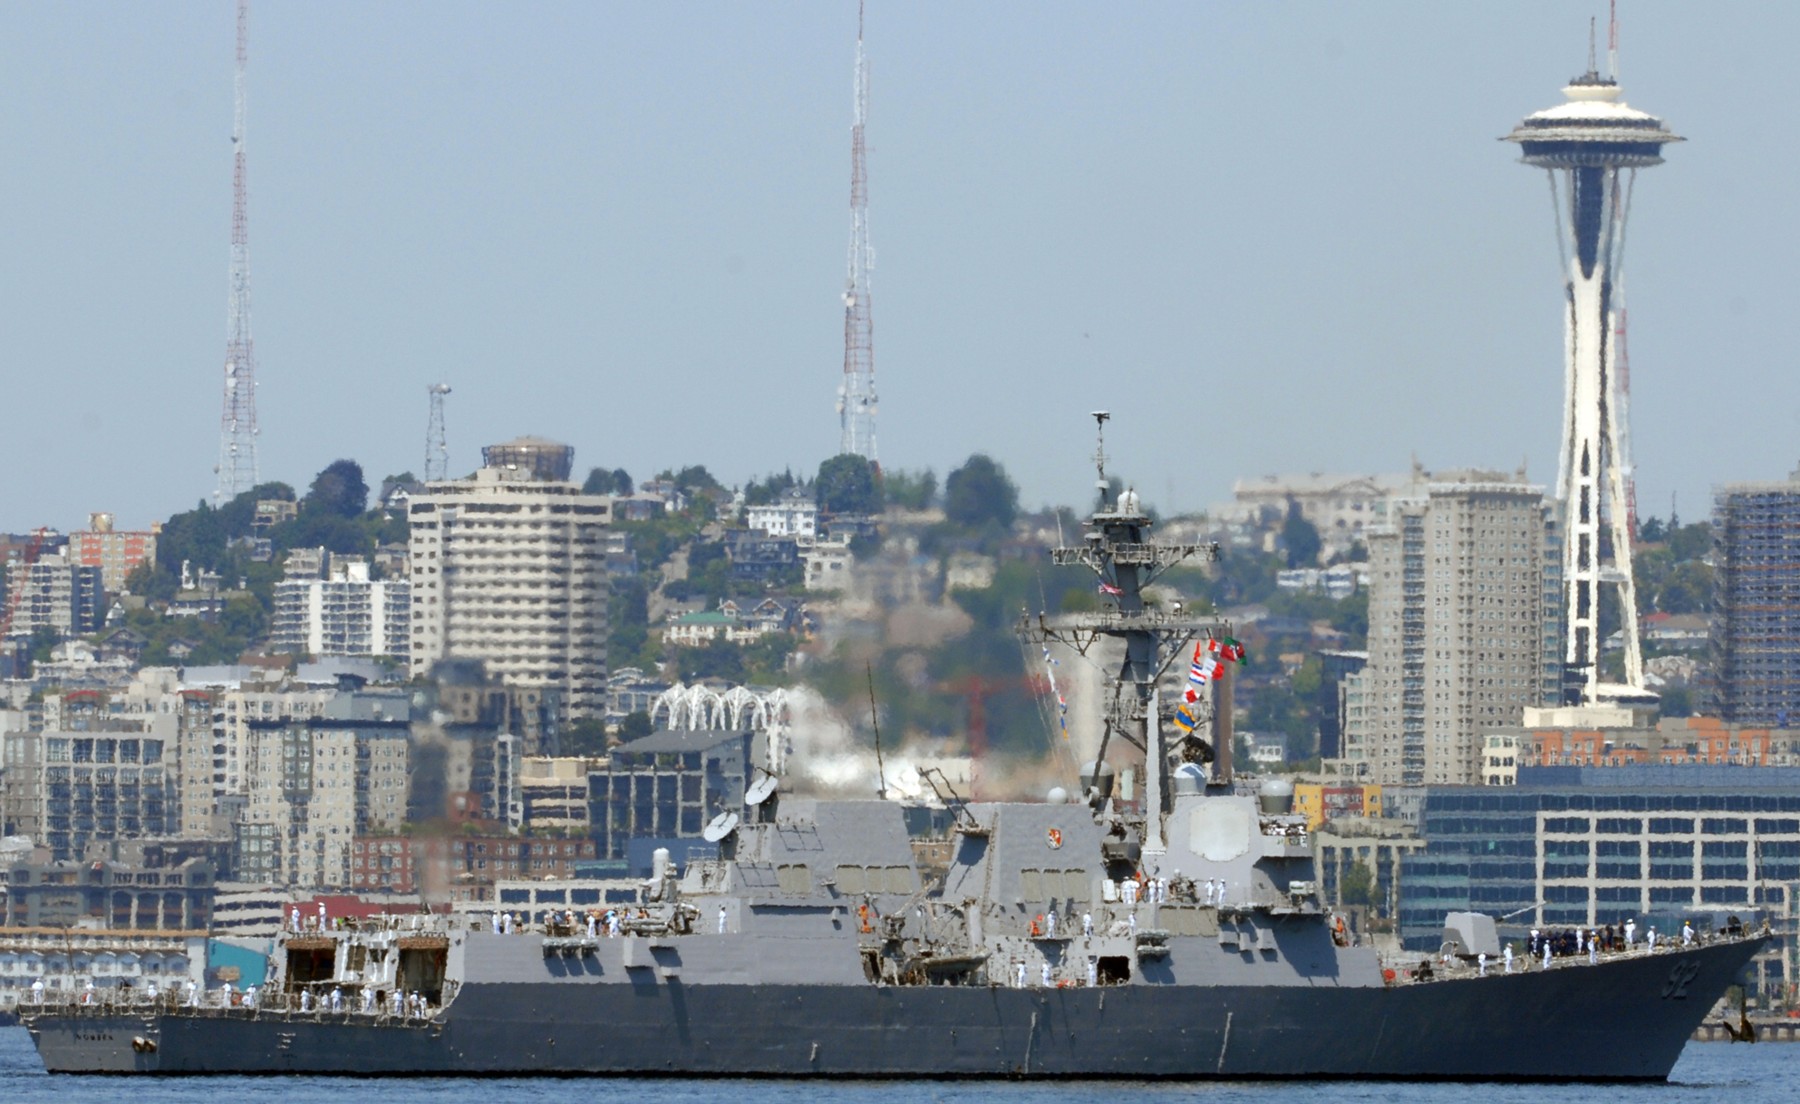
x,y
1590,846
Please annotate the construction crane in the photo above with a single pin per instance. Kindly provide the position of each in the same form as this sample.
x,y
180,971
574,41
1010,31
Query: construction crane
x,y
17,586
977,689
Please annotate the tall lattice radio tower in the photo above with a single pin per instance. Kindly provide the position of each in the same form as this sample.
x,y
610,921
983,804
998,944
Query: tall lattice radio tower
x,y
856,395
237,426
437,444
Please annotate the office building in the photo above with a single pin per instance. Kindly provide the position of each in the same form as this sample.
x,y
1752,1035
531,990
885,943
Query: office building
x,y
1591,846
666,786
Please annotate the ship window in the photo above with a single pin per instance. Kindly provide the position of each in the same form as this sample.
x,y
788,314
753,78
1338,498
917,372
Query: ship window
x,y
1031,885
850,880
794,878
1073,885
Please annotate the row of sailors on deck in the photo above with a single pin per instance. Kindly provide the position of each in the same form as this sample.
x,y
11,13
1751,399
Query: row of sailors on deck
x,y
1589,941
610,921
294,918
399,1003
1047,977
1160,891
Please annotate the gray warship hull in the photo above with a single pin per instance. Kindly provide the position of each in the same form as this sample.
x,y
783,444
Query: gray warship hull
x,y
1625,1019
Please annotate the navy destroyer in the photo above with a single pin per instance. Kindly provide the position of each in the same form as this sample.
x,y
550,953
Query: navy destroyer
x,y
1178,935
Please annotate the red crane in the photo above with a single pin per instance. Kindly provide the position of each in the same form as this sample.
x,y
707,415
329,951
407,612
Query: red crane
x,y
977,689
15,591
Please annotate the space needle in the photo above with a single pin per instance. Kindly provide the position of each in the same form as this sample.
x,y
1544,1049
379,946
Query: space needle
x,y
1591,146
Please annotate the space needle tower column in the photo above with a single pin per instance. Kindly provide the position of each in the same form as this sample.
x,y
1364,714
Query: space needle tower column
x,y
1591,147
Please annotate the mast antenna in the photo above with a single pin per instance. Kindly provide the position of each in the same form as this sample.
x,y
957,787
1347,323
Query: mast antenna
x,y
437,444
856,394
1100,417
237,469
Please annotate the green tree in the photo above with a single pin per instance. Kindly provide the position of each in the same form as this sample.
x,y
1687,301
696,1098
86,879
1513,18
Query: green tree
x,y
602,481
586,736
1300,537
1677,701
338,491
714,659
635,726
1691,542
979,493
695,479
848,484
911,490
760,492
1357,886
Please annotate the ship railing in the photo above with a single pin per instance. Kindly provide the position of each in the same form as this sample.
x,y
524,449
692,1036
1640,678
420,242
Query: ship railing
x,y
1445,966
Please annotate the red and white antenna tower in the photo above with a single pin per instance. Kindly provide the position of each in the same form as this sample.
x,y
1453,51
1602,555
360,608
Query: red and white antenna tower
x,y
237,425
856,395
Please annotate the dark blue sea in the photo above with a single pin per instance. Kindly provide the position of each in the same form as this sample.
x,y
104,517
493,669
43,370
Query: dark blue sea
x,y
1708,1073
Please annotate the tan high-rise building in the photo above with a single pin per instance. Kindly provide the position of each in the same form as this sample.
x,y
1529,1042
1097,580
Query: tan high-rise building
x,y
1461,636
509,567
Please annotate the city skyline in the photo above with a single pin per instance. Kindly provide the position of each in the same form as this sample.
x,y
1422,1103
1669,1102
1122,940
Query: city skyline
x,y
624,230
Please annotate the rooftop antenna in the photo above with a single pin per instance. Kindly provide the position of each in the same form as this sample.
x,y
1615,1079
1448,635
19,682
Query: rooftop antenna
x,y
1593,67
1100,417
437,445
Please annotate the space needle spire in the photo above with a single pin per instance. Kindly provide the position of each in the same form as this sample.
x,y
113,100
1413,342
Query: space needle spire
x,y
1591,146
237,424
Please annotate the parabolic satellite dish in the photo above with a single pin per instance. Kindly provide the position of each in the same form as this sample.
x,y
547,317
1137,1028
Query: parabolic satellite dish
x,y
760,789
719,827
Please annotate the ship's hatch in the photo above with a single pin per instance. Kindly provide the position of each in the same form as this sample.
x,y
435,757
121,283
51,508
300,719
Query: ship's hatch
x,y
422,964
310,961
1112,970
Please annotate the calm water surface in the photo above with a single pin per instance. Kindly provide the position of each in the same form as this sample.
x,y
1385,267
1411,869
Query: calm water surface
x,y
1708,1073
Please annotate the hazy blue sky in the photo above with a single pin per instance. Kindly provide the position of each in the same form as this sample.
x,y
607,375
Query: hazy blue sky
x,y
1267,236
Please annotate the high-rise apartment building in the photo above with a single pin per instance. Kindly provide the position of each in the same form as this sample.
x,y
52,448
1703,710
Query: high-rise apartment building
x,y
114,551
1461,636
1756,624
239,714
56,594
509,567
346,613
318,783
